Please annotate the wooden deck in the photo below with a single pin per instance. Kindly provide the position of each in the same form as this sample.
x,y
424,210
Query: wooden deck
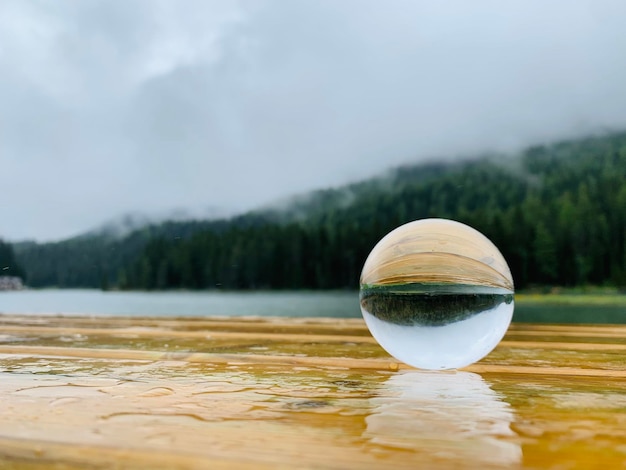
x,y
81,392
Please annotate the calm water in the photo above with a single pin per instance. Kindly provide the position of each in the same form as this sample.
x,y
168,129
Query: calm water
x,y
196,304
283,304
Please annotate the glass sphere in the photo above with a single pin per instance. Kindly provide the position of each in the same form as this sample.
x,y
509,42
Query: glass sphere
x,y
436,294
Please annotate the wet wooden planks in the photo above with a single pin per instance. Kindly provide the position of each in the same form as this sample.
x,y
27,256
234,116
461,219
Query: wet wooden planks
x,y
90,392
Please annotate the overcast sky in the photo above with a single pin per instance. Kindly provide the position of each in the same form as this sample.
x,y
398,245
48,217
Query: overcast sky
x,y
110,107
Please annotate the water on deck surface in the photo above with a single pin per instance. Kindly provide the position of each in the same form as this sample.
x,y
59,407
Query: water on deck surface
x,y
192,393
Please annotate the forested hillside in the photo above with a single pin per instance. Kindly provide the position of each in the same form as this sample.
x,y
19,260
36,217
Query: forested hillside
x,y
8,264
95,259
557,213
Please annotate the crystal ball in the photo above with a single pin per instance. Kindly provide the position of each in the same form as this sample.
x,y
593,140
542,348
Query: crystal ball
x,y
436,294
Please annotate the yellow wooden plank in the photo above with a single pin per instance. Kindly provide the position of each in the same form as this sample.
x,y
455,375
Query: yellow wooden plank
x,y
72,398
159,333
564,345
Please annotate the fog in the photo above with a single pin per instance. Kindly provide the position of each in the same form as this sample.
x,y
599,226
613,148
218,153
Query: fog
x,y
108,108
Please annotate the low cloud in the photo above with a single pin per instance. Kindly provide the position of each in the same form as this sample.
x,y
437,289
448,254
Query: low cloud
x,y
109,108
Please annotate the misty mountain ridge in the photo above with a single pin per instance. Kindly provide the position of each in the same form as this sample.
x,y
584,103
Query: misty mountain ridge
x,y
99,253
554,210
298,207
125,224
314,204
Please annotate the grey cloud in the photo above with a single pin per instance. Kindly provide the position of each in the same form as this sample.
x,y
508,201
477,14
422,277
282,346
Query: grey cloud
x,y
113,107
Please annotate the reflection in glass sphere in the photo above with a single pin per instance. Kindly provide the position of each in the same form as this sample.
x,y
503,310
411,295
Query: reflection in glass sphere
x,y
436,294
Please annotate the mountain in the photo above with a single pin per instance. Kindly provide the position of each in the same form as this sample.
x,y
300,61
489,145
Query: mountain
x,y
121,227
557,212
124,225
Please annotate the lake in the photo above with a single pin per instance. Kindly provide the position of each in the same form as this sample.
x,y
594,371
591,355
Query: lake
x,y
338,304
183,303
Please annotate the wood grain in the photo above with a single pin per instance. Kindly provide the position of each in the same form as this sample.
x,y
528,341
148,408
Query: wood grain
x,y
89,392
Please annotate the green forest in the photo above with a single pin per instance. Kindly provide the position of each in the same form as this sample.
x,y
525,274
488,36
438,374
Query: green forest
x,y
8,264
557,212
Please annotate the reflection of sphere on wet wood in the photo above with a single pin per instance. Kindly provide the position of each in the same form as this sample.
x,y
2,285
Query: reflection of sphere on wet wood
x,y
436,294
